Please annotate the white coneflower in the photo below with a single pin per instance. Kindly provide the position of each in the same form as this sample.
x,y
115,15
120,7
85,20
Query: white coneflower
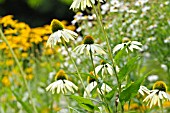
x,y
89,46
61,84
142,90
158,94
82,4
59,32
130,45
104,67
93,84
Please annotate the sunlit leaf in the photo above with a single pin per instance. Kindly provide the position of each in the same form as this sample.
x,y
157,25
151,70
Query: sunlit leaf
x,y
132,90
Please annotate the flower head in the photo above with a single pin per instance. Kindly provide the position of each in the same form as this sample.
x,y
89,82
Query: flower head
x,y
82,4
104,67
130,45
89,46
56,25
61,84
158,94
59,33
93,84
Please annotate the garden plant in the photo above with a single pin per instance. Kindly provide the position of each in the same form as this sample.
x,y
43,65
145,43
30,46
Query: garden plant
x,y
114,57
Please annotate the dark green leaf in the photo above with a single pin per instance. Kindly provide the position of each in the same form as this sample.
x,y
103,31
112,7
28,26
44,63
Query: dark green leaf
x,y
132,90
110,95
85,103
127,68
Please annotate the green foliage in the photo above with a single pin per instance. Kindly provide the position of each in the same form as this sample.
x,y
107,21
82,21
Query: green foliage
x,y
25,105
131,90
126,69
85,103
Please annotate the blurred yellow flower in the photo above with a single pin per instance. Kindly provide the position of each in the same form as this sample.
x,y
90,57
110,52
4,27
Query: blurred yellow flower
x,y
10,62
7,20
6,81
29,70
29,77
24,55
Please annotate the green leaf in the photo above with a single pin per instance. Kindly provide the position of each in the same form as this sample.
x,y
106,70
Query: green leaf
x,y
127,68
110,95
132,90
119,54
85,103
24,104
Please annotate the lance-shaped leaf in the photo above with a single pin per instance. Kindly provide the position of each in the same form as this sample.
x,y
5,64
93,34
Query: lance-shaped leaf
x,y
132,90
85,103
126,69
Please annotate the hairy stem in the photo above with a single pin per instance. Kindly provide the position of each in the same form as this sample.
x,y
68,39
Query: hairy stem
x,y
108,48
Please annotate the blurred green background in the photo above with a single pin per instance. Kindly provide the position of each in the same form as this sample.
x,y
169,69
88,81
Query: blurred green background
x,y
37,12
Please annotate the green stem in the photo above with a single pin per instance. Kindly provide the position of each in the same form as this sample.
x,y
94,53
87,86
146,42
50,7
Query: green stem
x,y
162,111
109,50
81,80
20,68
104,99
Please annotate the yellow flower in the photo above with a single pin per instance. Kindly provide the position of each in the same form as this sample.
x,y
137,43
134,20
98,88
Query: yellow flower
x,y
10,62
48,51
29,70
24,55
29,77
3,45
7,20
10,31
6,81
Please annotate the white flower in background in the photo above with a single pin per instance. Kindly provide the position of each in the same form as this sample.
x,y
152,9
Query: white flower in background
x,y
59,33
141,2
152,27
164,67
61,84
146,8
93,84
89,46
152,78
130,45
105,8
142,90
150,39
157,95
82,4
104,67
132,11
167,40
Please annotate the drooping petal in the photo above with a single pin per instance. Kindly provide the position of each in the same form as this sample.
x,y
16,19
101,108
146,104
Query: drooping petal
x,y
117,47
136,43
98,68
89,88
71,32
109,69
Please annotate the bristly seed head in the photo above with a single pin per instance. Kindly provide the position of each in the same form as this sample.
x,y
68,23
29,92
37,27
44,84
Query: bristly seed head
x,y
160,85
88,40
61,75
102,62
56,25
124,40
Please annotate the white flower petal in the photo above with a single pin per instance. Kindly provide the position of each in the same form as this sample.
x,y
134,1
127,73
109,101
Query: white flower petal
x,y
117,47
89,88
136,43
109,69
98,68
71,32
